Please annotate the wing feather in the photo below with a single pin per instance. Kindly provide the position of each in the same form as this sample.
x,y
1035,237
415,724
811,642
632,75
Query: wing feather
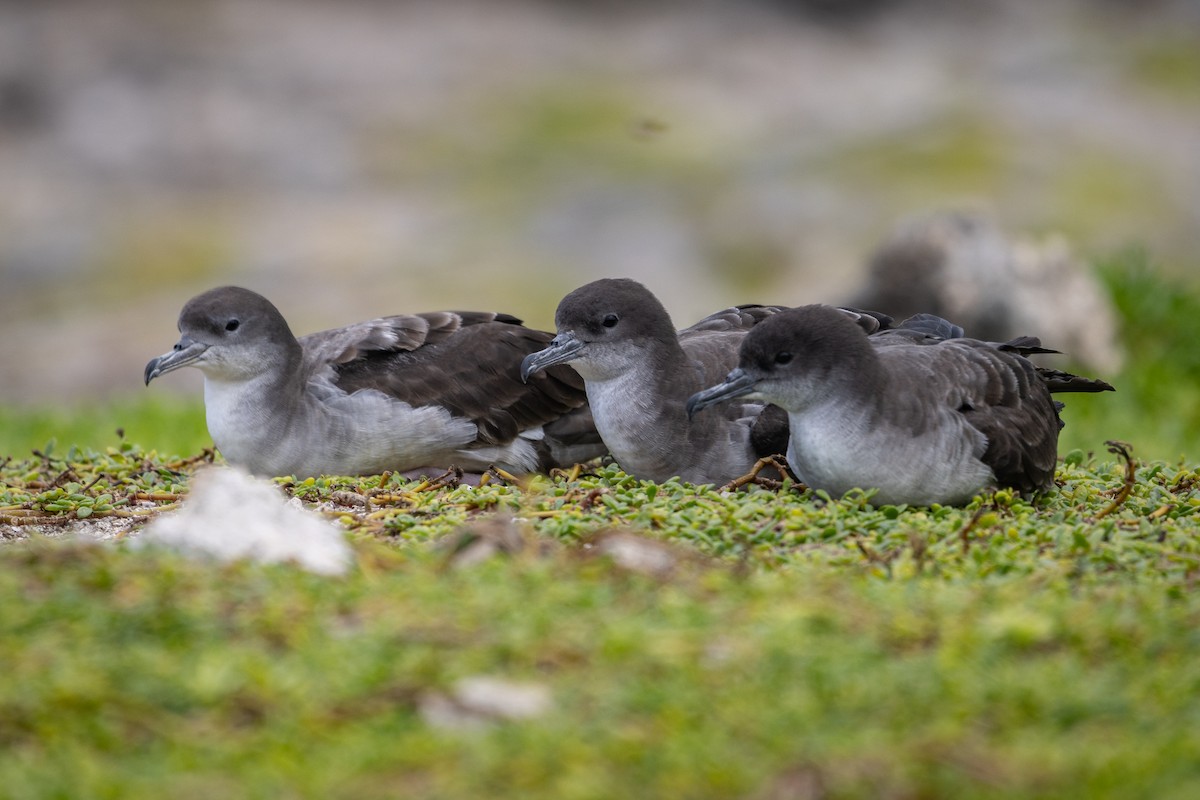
x,y
733,319
1001,395
466,362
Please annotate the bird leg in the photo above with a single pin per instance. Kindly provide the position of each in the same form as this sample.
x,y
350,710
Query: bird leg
x,y
573,474
495,473
451,477
776,462
1123,450
570,475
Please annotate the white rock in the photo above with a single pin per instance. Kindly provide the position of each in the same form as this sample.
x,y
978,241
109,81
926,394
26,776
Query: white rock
x,y
476,701
229,515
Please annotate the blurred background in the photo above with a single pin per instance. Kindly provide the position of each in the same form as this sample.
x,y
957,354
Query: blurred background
x,y
357,158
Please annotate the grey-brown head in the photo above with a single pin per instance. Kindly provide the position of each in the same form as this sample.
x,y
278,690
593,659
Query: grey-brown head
x,y
788,359
229,332
601,326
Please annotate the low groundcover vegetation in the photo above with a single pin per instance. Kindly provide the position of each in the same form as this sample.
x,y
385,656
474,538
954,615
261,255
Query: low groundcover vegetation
x,y
590,635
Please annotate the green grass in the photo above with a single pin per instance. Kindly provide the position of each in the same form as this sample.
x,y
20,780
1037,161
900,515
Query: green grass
x,y
154,676
160,421
1009,649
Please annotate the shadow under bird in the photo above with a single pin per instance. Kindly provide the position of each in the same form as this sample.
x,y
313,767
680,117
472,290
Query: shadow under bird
x,y
401,393
639,372
920,422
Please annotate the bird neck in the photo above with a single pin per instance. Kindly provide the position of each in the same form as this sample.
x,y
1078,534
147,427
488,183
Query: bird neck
x,y
248,416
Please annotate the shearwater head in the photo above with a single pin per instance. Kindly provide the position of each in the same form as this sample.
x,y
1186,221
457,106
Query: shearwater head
x,y
230,334
603,327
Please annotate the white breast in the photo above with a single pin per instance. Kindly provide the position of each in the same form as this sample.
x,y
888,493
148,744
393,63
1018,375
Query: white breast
x,y
625,414
330,432
240,423
837,447
651,437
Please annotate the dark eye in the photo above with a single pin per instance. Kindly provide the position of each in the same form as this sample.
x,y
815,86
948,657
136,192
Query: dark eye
x,y
783,358
610,320
232,325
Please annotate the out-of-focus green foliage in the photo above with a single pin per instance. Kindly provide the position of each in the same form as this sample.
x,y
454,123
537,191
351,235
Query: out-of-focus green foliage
x,y
1157,402
1170,65
157,420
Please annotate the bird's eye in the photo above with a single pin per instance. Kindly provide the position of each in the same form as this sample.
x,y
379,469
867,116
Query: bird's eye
x,y
783,358
610,320
232,325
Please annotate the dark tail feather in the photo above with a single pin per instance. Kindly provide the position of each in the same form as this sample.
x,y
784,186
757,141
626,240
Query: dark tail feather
x,y
1025,346
1058,381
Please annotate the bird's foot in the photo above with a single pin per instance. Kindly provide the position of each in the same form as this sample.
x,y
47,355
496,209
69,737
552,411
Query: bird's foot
x,y
451,477
494,473
777,463
569,475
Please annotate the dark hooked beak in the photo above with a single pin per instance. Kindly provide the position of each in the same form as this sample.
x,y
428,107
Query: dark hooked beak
x,y
184,353
562,348
736,384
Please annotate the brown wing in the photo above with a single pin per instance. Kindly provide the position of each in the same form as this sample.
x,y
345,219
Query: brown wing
x,y
869,321
1002,396
735,318
390,334
743,318
997,393
466,362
